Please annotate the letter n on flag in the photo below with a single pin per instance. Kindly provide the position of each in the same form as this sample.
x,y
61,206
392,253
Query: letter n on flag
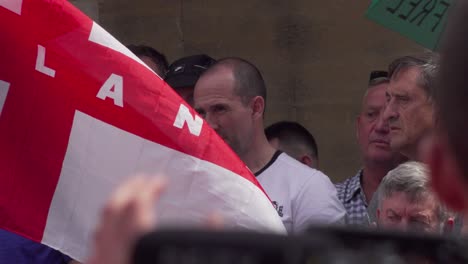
x,y
79,113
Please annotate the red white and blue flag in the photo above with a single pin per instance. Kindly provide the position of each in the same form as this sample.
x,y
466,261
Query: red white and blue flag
x,y
79,114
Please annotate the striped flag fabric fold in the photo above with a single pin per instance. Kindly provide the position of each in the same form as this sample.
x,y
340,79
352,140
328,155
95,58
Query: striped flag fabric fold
x,y
79,113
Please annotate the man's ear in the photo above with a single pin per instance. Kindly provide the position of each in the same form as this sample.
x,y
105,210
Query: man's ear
x,y
258,107
307,160
274,142
378,214
448,225
357,125
447,179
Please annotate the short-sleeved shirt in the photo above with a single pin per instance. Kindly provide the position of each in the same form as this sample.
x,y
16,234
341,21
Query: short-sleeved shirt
x,y
16,249
301,195
351,194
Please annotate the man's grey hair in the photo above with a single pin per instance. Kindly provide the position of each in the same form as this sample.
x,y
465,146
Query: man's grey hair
x,y
411,178
427,63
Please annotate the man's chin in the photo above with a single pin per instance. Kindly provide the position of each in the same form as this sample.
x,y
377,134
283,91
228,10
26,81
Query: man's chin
x,y
233,147
384,146
397,145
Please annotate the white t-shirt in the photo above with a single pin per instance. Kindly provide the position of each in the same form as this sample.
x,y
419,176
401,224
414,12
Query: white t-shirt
x,y
302,196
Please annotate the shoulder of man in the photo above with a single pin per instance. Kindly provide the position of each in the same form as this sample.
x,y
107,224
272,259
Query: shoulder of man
x,y
344,187
303,178
296,168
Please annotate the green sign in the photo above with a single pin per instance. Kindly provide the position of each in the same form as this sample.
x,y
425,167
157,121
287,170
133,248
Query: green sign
x,y
420,20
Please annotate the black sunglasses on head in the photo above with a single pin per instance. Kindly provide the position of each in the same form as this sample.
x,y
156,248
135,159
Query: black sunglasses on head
x,y
377,74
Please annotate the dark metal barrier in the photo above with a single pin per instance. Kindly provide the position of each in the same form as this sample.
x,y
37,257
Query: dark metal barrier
x,y
319,245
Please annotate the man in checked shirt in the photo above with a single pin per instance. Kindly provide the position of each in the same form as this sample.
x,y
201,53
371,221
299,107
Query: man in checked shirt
x,y
356,192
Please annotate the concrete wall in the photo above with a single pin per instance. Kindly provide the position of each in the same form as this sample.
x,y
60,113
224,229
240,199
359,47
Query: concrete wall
x,y
315,55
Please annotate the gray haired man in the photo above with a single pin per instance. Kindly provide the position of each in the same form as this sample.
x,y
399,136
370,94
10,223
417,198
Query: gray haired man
x,y
406,202
410,111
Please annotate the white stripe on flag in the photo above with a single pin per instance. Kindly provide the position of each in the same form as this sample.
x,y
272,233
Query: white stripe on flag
x,y
4,87
99,156
100,36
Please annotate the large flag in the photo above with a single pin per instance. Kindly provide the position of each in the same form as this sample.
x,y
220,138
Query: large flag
x,y
79,113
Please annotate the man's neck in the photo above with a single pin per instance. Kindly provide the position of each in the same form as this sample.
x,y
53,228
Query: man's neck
x,y
259,154
372,175
411,154
415,151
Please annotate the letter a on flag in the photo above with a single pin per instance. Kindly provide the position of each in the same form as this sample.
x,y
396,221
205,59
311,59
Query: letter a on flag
x,y
79,114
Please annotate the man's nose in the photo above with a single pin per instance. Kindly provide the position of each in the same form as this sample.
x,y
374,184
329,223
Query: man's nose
x,y
389,114
402,225
211,121
382,126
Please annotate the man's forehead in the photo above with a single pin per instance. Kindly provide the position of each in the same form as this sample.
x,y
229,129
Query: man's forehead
x,y
405,78
213,86
209,100
215,78
218,72
376,91
375,95
422,200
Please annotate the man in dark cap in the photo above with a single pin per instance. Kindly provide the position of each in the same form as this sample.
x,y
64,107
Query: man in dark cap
x,y
183,74
151,57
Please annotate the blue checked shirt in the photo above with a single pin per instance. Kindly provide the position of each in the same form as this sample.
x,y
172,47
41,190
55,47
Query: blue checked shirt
x,y
353,198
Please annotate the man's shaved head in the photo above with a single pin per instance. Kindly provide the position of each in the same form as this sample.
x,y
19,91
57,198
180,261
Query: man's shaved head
x,y
248,79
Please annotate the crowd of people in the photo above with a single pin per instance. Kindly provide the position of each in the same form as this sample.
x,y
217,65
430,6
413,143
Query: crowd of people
x,y
410,130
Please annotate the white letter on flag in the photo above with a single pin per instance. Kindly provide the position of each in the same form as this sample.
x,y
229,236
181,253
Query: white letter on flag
x,y
40,62
112,88
194,123
3,93
12,5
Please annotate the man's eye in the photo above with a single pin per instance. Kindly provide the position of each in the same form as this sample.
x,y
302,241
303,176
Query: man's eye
x,y
219,108
387,98
371,115
393,218
201,112
403,98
